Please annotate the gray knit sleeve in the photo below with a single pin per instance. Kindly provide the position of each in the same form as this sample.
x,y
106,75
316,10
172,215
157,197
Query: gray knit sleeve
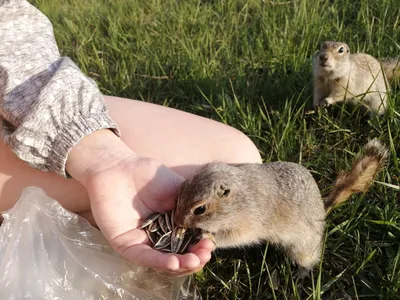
x,y
46,103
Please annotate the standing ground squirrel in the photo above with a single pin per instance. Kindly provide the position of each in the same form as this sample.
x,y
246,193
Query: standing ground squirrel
x,y
280,202
358,77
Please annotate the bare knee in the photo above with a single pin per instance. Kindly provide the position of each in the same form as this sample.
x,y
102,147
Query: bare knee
x,y
179,139
241,149
225,144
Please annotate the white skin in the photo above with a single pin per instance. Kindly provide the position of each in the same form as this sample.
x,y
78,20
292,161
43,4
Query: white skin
x,y
117,182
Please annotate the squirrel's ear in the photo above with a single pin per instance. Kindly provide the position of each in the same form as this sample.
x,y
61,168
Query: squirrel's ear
x,y
223,190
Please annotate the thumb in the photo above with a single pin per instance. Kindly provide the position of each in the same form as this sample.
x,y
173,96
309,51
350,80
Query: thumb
x,y
163,189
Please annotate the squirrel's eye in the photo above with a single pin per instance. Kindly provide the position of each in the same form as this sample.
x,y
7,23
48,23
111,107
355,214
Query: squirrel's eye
x,y
341,49
200,210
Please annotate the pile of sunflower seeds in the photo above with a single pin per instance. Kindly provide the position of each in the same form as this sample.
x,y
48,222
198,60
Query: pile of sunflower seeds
x,y
166,236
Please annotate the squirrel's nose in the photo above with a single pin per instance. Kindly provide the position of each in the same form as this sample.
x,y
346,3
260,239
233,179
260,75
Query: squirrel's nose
x,y
178,220
323,57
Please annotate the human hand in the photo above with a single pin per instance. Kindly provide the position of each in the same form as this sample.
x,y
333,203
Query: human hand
x,y
124,189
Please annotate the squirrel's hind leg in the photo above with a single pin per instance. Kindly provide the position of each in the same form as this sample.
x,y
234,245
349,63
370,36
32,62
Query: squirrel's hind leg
x,y
306,254
377,104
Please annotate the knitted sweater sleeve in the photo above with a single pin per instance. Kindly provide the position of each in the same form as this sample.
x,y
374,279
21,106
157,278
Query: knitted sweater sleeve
x,y
46,103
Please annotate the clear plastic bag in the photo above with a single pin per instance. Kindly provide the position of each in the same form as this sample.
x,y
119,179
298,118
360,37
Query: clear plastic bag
x,y
47,252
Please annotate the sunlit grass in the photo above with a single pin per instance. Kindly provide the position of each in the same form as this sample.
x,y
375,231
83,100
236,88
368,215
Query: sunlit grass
x,y
248,64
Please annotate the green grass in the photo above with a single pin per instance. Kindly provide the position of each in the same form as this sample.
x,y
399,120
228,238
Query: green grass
x,y
248,64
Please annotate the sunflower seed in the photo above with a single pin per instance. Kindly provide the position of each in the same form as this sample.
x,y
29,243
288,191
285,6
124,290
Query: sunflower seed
x,y
173,218
186,244
153,227
166,249
163,241
163,226
177,238
168,222
150,219
166,236
151,237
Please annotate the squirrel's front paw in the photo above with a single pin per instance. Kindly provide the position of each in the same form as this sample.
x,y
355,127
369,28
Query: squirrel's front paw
x,y
323,103
208,235
303,273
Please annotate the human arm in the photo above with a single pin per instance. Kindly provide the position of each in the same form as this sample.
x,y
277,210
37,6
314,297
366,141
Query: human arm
x,y
139,187
47,104
53,115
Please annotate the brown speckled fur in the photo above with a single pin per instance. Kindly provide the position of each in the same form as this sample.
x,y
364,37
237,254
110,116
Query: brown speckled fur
x,y
279,202
352,77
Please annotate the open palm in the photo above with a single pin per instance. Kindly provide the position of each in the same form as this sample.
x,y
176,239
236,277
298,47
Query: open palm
x,y
123,195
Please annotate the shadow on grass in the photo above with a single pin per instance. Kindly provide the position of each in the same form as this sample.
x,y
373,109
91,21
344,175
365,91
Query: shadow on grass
x,y
273,83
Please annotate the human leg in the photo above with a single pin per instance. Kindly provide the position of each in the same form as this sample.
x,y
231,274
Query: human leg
x,y
177,139
180,140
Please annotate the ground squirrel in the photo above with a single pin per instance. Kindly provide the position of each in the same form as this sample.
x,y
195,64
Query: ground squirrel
x,y
280,202
339,76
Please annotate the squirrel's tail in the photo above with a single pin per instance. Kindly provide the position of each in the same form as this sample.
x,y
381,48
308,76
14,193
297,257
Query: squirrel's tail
x,y
391,67
360,176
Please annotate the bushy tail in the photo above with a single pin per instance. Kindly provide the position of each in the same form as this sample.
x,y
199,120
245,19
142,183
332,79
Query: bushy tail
x,y
391,67
360,176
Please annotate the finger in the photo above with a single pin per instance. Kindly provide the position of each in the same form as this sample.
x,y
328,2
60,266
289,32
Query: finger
x,y
146,256
203,244
189,261
204,255
164,188
126,240
183,272
133,245
149,257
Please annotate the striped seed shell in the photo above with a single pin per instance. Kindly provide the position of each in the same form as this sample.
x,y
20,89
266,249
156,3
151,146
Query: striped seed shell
x,y
154,227
186,243
163,225
168,222
151,237
150,219
173,218
177,238
163,241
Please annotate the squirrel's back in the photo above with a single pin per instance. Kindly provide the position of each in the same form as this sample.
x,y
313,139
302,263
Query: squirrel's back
x,y
365,63
287,183
391,67
293,183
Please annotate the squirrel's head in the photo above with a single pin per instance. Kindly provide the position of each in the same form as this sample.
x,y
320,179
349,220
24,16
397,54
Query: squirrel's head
x,y
333,54
207,199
